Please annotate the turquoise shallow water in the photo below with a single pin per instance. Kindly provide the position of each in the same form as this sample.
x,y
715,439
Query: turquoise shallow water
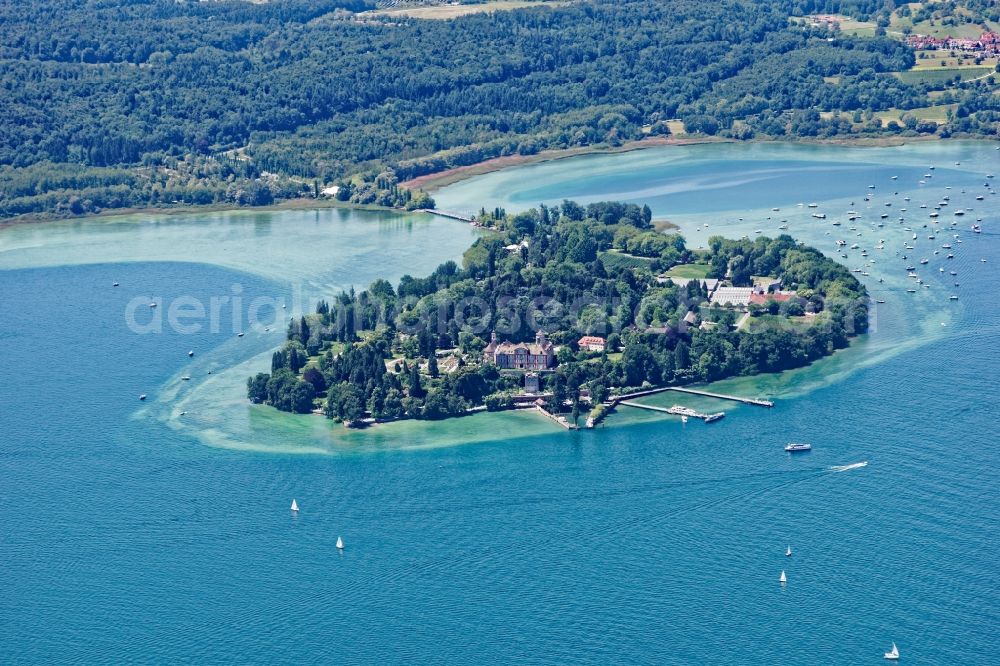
x,y
123,537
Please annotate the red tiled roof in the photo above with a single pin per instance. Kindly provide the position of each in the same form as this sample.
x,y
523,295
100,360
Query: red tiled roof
x,y
780,297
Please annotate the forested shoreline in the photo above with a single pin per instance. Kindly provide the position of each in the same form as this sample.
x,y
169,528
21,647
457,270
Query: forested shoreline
x,y
158,103
421,349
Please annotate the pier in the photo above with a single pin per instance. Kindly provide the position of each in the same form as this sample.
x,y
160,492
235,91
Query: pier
x,y
721,396
677,410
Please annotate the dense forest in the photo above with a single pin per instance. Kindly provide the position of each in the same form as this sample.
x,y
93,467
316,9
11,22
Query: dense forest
x,y
416,350
137,102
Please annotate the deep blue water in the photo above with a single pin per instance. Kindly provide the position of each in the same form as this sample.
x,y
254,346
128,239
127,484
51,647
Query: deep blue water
x,y
123,540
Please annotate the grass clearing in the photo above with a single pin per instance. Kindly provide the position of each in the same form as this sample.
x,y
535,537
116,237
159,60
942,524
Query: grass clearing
x,y
689,271
445,12
937,114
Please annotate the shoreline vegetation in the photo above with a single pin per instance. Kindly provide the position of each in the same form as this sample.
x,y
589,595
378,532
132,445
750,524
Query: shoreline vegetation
x,y
245,104
432,182
561,309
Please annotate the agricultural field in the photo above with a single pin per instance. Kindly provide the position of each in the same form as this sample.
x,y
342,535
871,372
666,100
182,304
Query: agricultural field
x,y
614,259
450,11
943,75
942,58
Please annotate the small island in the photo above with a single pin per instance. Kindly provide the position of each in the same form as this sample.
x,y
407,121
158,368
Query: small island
x,y
561,308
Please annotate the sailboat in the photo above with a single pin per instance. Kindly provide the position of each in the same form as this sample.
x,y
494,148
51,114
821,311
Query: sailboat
x,y
295,506
788,552
784,578
894,655
340,543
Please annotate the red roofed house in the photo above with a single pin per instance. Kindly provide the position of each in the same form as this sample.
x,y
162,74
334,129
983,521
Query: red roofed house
x,y
592,343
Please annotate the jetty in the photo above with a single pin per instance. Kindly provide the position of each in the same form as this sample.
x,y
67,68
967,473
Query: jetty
x,y
448,214
722,396
760,402
677,410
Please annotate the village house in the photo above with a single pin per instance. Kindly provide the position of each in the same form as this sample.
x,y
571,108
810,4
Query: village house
x,y
986,44
591,343
539,355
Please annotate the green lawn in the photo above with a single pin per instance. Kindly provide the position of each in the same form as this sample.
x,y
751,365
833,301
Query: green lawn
x,y
938,113
689,271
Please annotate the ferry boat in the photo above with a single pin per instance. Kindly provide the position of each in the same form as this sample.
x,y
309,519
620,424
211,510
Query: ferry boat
x,y
793,447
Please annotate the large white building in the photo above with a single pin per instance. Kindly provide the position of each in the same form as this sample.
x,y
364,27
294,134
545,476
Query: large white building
x,y
732,296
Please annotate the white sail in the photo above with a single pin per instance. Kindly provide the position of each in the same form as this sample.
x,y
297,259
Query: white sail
x,y
295,506
894,654
340,543
783,579
788,553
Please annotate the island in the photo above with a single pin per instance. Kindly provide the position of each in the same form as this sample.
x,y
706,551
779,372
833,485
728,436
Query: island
x,y
558,308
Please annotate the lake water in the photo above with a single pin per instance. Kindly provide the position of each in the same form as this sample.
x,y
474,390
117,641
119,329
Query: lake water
x,y
130,531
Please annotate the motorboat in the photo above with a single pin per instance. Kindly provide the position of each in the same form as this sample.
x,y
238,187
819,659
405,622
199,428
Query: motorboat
x,y
793,447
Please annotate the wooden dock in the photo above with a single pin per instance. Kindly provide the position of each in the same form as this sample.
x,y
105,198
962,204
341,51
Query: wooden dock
x,y
677,410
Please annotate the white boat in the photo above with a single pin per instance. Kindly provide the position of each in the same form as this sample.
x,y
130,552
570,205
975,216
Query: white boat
x,y
340,543
116,284
788,552
191,353
295,506
142,396
783,579
792,447
186,378
892,655
684,419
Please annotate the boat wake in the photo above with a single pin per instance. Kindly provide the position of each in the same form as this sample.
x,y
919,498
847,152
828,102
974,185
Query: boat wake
x,y
844,468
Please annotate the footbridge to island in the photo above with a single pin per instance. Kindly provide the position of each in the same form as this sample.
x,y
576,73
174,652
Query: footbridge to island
x,y
447,213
